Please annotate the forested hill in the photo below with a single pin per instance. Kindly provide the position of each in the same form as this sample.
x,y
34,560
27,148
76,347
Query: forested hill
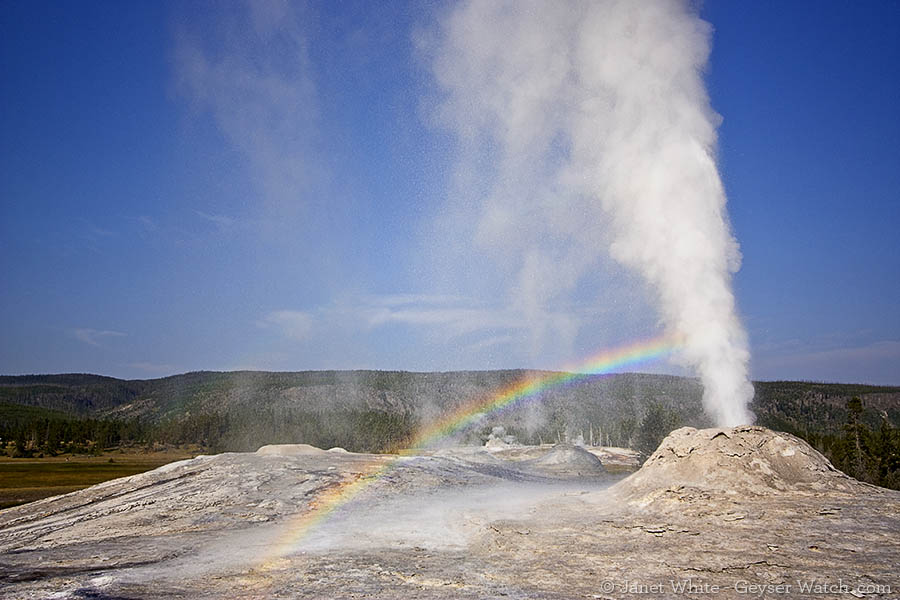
x,y
608,403
381,410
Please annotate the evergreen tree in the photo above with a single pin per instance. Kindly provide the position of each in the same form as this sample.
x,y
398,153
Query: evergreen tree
x,y
887,447
656,425
854,434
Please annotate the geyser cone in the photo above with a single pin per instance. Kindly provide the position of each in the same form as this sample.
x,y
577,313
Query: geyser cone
x,y
734,461
568,459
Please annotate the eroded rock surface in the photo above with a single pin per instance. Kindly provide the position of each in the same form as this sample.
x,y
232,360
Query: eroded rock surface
x,y
726,513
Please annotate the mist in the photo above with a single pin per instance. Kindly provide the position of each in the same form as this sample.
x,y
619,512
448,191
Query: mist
x,y
585,133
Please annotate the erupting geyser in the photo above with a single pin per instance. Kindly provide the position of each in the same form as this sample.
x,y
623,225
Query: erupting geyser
x,y
596,112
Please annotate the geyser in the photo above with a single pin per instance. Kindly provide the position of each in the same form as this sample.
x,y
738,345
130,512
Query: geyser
x,y
602,141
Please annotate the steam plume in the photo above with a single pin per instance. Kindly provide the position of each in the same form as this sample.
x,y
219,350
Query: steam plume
x,y
601,141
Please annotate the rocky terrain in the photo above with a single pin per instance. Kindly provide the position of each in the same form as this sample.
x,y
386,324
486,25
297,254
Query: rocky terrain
x,y
730,513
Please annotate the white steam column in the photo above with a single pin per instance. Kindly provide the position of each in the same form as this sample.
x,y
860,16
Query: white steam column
x,y
605,100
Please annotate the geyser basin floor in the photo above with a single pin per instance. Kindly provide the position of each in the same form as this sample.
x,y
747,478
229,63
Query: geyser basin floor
x,y
458,525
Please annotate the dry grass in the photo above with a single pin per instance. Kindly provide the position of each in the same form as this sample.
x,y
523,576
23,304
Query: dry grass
x,y
28,479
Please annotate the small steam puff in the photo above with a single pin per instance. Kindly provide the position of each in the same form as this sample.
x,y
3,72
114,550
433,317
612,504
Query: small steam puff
x,y
600,129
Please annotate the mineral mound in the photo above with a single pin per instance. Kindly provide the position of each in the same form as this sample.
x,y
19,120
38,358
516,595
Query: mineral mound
x,y
569,460
745,460
292,450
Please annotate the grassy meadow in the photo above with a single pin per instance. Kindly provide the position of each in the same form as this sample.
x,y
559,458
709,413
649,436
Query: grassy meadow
x,y
28,479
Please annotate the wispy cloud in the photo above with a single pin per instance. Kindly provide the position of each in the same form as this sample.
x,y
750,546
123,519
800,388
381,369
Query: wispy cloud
x,y
412,299
428,332
93,234
99,231
440,315
491,342
94,337
220,221
248,66
148,223
293,324
450,321
435,317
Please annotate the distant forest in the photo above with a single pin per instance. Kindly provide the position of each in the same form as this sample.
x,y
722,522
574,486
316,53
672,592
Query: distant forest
x,y
855,426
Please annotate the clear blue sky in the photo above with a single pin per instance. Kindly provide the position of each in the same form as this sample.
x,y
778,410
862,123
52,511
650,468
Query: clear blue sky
x,y
179,193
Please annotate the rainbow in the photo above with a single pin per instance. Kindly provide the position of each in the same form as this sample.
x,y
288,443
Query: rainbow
x,y
599,364
469,413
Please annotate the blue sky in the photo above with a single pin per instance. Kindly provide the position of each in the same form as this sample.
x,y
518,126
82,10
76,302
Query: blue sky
x,y
180,190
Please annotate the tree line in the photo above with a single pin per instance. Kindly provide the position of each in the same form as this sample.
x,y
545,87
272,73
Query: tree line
x,y
865,453
868,453
52,435
33,433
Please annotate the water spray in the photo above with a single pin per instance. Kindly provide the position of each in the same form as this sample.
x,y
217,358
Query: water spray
x,y
597,117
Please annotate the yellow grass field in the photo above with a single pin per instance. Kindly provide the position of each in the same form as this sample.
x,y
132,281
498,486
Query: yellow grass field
x,y
28,479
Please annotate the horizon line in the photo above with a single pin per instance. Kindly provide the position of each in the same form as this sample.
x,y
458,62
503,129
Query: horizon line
x,y
416,372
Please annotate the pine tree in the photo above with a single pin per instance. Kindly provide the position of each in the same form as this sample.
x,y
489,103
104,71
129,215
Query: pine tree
x,y
853,438
656,425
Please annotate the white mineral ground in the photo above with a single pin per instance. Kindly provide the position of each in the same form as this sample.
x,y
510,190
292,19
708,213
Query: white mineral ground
x,y
723,507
